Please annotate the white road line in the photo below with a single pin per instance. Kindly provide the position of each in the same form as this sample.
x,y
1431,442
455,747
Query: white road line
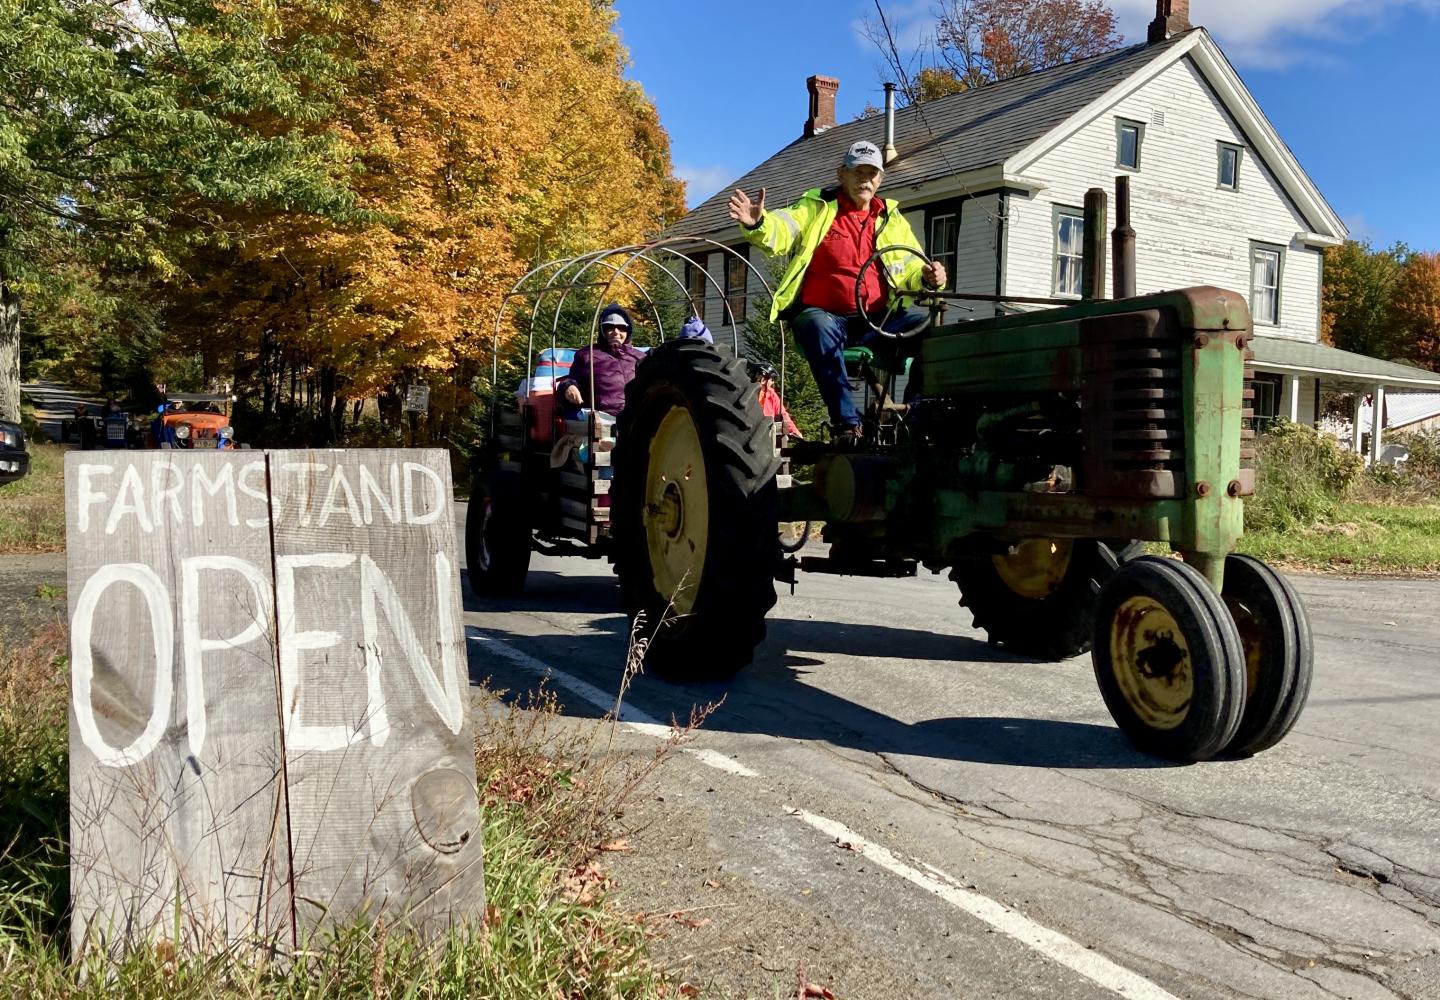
x,y
1052,944
633,718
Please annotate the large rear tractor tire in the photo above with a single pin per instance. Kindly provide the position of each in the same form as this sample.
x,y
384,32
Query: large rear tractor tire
x,y
694,508
1039,598
1169,660
497,536
1279,653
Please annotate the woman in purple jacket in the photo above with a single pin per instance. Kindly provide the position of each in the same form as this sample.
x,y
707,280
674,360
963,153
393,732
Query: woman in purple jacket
x,y
610,361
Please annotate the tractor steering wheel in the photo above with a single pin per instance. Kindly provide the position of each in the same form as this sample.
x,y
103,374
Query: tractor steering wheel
x,y
890,310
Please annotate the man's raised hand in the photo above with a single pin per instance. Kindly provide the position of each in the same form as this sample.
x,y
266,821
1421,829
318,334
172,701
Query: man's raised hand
x,y
746,212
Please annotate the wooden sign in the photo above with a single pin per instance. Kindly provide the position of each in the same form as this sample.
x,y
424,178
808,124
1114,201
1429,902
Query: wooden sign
x,y
417,398
270,697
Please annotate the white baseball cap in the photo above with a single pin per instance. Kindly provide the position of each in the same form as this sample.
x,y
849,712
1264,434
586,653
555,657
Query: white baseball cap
x,y
864,153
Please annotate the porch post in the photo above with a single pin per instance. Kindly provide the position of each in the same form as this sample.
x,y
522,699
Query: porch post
x,y
1377,422
1290,398
1356,433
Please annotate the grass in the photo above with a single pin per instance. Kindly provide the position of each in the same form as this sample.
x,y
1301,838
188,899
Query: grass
x,y
551,793
1358,538
32,510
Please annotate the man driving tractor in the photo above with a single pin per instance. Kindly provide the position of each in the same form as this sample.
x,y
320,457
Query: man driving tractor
x,y
829,234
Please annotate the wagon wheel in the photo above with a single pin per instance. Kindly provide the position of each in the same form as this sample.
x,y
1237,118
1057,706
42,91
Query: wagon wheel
x,y
1169,660
1279,653
1038,599
891,310
694,507
497,536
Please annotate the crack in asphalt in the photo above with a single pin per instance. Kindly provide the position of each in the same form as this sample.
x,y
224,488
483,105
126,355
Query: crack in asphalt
x,y
1158,882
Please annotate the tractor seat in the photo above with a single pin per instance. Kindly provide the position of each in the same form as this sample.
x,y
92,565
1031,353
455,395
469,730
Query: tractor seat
x,y
856,357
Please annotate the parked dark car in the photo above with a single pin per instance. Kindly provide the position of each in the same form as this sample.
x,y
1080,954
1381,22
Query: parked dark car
x,y
14,459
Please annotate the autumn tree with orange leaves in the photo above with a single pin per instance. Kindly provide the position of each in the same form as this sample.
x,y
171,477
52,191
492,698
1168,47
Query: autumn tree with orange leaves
x,y
1415,307
982,41
487,136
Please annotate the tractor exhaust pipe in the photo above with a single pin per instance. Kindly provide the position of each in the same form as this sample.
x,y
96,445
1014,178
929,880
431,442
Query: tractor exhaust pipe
x,y
1123,241
1092,253
889,153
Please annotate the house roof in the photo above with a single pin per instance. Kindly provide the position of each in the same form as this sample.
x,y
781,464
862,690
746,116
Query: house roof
x,y
1350,370
1404,408
990,134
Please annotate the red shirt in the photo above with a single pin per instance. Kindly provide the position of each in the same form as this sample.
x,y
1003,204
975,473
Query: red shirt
x,y
829,282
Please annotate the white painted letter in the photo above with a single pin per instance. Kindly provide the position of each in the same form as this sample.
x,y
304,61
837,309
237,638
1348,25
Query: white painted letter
x,y
243,481
302,472
159,471
432,516
129,499
442,692
298,735
338,485
369,487
88,495
201,486
162,633
196,647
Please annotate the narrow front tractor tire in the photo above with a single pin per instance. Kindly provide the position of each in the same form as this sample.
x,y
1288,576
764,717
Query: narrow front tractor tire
x,y
497,536
1279,652
694,509
1168,660
1038,599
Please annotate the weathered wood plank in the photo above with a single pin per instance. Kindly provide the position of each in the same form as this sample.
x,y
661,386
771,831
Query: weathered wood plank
x,y
176,797
375,688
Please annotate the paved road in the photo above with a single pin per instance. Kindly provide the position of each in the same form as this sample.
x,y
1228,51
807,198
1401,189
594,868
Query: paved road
x,y
880,779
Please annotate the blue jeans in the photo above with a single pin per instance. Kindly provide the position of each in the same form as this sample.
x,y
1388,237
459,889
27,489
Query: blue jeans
x,y
823,337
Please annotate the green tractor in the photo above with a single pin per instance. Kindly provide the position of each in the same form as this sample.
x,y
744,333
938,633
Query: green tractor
x,y
1045,448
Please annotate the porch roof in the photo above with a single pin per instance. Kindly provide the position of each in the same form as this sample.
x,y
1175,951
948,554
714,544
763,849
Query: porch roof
x,y
1336,368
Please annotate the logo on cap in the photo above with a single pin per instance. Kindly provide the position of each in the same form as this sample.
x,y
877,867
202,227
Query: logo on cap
x,y
866,153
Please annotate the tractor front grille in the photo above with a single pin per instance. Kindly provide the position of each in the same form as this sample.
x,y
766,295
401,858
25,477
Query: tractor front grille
x,y
1134,423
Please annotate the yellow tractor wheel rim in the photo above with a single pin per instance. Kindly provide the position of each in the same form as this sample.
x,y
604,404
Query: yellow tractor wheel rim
x,y
1036,567
677,510
1151,662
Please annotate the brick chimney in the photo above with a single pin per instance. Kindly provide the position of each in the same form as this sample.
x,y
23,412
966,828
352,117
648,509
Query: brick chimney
x,y
822,103
1171,18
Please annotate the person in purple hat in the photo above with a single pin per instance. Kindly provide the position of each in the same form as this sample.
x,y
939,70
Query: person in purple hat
x,y
609,364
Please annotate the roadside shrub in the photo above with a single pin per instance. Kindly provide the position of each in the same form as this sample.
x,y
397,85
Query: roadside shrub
x,y
1301,477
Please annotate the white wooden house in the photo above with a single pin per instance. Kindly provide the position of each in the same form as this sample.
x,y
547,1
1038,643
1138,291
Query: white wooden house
x,y
995,179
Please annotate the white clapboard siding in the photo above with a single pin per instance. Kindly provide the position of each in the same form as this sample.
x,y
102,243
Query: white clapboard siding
x,y
1188,231
975,250
189,799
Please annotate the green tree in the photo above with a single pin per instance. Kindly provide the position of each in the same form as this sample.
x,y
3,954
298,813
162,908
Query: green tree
x,y
1356,299
122,125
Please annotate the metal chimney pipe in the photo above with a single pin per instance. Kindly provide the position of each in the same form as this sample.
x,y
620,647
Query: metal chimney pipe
x,y
1092,259
890,153
1123,241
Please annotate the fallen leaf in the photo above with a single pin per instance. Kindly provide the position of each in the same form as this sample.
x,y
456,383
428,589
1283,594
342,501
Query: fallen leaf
x,y
689,990
695,924
847,845
616,845
710,883
811,990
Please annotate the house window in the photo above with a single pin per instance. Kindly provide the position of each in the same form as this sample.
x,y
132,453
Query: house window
x,y
1267,400
1069,249
1128,136
1229,178
1265,284
736,274
697,283
944,235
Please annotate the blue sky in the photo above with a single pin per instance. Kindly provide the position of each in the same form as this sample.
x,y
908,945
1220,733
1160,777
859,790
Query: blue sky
x,y
1351,85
